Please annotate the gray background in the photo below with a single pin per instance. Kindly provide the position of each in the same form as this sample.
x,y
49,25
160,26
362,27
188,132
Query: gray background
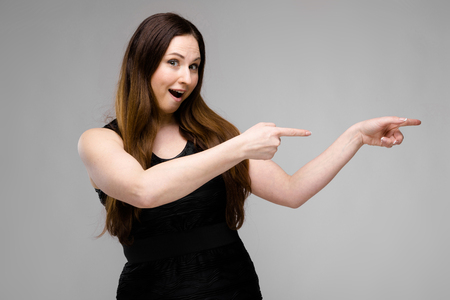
x,y
378,231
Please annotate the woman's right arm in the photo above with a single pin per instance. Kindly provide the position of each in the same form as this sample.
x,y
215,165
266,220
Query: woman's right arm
x,y
120,176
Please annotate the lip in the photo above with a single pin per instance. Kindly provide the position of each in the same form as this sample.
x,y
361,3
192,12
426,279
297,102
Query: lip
x,y
175,98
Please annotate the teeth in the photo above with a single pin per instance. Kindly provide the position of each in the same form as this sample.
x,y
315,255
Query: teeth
x,y
179,92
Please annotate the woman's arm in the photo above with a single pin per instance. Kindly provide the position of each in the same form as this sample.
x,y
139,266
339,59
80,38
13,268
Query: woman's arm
x,y
270,182
119,175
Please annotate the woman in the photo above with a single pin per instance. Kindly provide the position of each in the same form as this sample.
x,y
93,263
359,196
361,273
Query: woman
x,y
173,175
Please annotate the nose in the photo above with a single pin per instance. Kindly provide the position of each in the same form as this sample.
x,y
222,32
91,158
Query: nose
x,y
185,76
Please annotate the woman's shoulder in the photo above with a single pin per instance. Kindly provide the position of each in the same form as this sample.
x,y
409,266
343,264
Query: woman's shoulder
x,y
99,134
97,143
95,139
110,130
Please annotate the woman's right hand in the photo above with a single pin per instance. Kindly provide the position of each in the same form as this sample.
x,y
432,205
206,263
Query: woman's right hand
x,y
262,140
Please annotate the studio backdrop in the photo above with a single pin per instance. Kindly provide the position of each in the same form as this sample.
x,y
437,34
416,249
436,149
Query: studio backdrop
x,y
379,230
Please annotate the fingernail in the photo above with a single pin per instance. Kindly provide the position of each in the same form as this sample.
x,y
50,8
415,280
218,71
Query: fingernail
x,y
395,142
308,133
382,139
403,119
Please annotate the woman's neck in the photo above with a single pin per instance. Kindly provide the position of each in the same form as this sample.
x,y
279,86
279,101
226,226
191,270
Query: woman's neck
x,y
168,141
167,120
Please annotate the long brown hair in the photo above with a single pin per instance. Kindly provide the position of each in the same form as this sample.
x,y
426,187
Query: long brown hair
x,y
138,118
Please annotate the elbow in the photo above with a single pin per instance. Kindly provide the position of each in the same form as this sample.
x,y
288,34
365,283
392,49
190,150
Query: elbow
x,y
145,197
140,201
294,197
143,200
296,203
138,196
294,206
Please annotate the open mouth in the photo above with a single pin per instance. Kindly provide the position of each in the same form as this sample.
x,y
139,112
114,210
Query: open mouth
x,y
176,94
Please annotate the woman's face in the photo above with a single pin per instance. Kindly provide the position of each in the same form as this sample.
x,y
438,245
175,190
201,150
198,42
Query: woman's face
x,y
177,73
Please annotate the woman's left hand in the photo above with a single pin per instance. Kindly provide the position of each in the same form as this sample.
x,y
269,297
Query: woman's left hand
x,y
384,131
293,191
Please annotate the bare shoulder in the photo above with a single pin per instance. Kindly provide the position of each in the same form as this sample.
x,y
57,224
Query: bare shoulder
x,y
97,147
98,139
98,136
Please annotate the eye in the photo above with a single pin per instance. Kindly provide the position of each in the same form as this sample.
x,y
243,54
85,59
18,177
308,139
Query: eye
x,y
173,62
194,67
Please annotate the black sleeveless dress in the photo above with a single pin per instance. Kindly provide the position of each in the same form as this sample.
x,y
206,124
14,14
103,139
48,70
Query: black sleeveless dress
x,y
184,250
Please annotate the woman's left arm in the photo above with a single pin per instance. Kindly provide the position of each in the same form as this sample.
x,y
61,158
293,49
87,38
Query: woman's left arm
x,y
270,182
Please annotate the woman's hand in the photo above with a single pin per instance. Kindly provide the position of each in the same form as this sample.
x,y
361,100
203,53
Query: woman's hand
x,y
262,140
384,131
270,182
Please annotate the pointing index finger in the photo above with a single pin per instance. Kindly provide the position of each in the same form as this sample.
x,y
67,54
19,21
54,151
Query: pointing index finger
x,y
410,122
292,132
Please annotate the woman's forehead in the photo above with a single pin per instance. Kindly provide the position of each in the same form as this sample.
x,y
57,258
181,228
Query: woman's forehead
x,y
184,45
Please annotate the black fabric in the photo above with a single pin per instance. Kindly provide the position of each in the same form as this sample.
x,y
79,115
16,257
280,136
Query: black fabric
x,y
221,273
179,243
163,265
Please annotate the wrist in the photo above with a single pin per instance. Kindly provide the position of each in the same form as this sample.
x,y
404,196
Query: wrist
x,y
235,149
240,147
355,136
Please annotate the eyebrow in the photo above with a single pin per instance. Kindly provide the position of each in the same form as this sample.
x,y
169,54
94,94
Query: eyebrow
x,y
181,56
